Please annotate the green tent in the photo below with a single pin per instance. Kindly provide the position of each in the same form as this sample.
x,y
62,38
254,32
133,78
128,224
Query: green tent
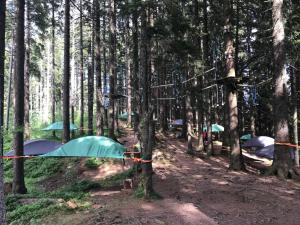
x,y
246,137
124,116
215,128
59,126
91,146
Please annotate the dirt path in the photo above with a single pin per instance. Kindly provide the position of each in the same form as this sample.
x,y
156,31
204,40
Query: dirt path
x,y
197,191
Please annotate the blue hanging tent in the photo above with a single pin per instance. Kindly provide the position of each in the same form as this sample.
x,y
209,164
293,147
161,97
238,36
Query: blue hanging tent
x,y
37,147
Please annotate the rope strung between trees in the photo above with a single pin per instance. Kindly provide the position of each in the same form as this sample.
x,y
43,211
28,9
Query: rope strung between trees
x,y
288,144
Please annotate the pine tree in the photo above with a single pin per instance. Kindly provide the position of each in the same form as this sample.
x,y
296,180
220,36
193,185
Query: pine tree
x,y
18,182
2,57
66,79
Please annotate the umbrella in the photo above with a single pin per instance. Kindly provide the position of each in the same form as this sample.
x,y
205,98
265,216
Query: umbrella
x,y
215,128
91,146
37,147
260,142
59,126
246,137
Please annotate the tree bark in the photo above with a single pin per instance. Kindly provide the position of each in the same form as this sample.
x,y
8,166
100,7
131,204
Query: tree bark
x,y
236,157
135,72
81,71
53,88
66,78
295,114
2,60
104,62
11,69
27,73
99,98
128,72
91,84
282,163
112,67
145,124
18,181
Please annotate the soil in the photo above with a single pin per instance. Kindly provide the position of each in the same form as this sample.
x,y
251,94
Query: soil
x,y
194,191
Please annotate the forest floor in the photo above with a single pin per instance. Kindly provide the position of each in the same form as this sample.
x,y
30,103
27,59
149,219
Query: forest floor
x,y
193,191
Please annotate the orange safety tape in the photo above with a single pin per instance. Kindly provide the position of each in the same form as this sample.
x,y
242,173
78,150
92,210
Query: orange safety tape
x,y
288,144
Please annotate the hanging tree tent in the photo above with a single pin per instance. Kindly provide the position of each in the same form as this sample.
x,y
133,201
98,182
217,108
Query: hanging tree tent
x,y
91,146
37,147
59,126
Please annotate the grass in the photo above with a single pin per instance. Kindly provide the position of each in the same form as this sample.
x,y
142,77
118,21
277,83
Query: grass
x,y
38,203
30,213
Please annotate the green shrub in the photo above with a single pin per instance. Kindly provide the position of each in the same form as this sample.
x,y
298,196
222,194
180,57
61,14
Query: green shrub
x,y
93,163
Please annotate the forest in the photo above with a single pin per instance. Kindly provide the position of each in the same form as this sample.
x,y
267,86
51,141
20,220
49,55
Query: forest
x,y
159,112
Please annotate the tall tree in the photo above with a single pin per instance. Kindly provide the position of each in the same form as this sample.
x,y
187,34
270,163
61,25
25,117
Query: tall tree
x,y
112,66
207,63
18,182
27,71
2,55
281,161
53,95
236,158
295,114
145,124
135,61
81,69
99,98
66,79
91,81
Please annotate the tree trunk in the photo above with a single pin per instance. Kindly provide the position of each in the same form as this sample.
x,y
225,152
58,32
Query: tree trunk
x,y
27,73
135,72
53,88
112,67
99,98
81,72
206,56
66,78
295,115
282,162
18,182
145,125
128,73
189,118
236,157
2,59
104,63
11,69
91,84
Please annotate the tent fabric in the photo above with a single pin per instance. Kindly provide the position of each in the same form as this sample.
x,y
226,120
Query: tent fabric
x,y
268,151
124,116
215,128
259,142
178,122
246,137
91,146
37,147
59,126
